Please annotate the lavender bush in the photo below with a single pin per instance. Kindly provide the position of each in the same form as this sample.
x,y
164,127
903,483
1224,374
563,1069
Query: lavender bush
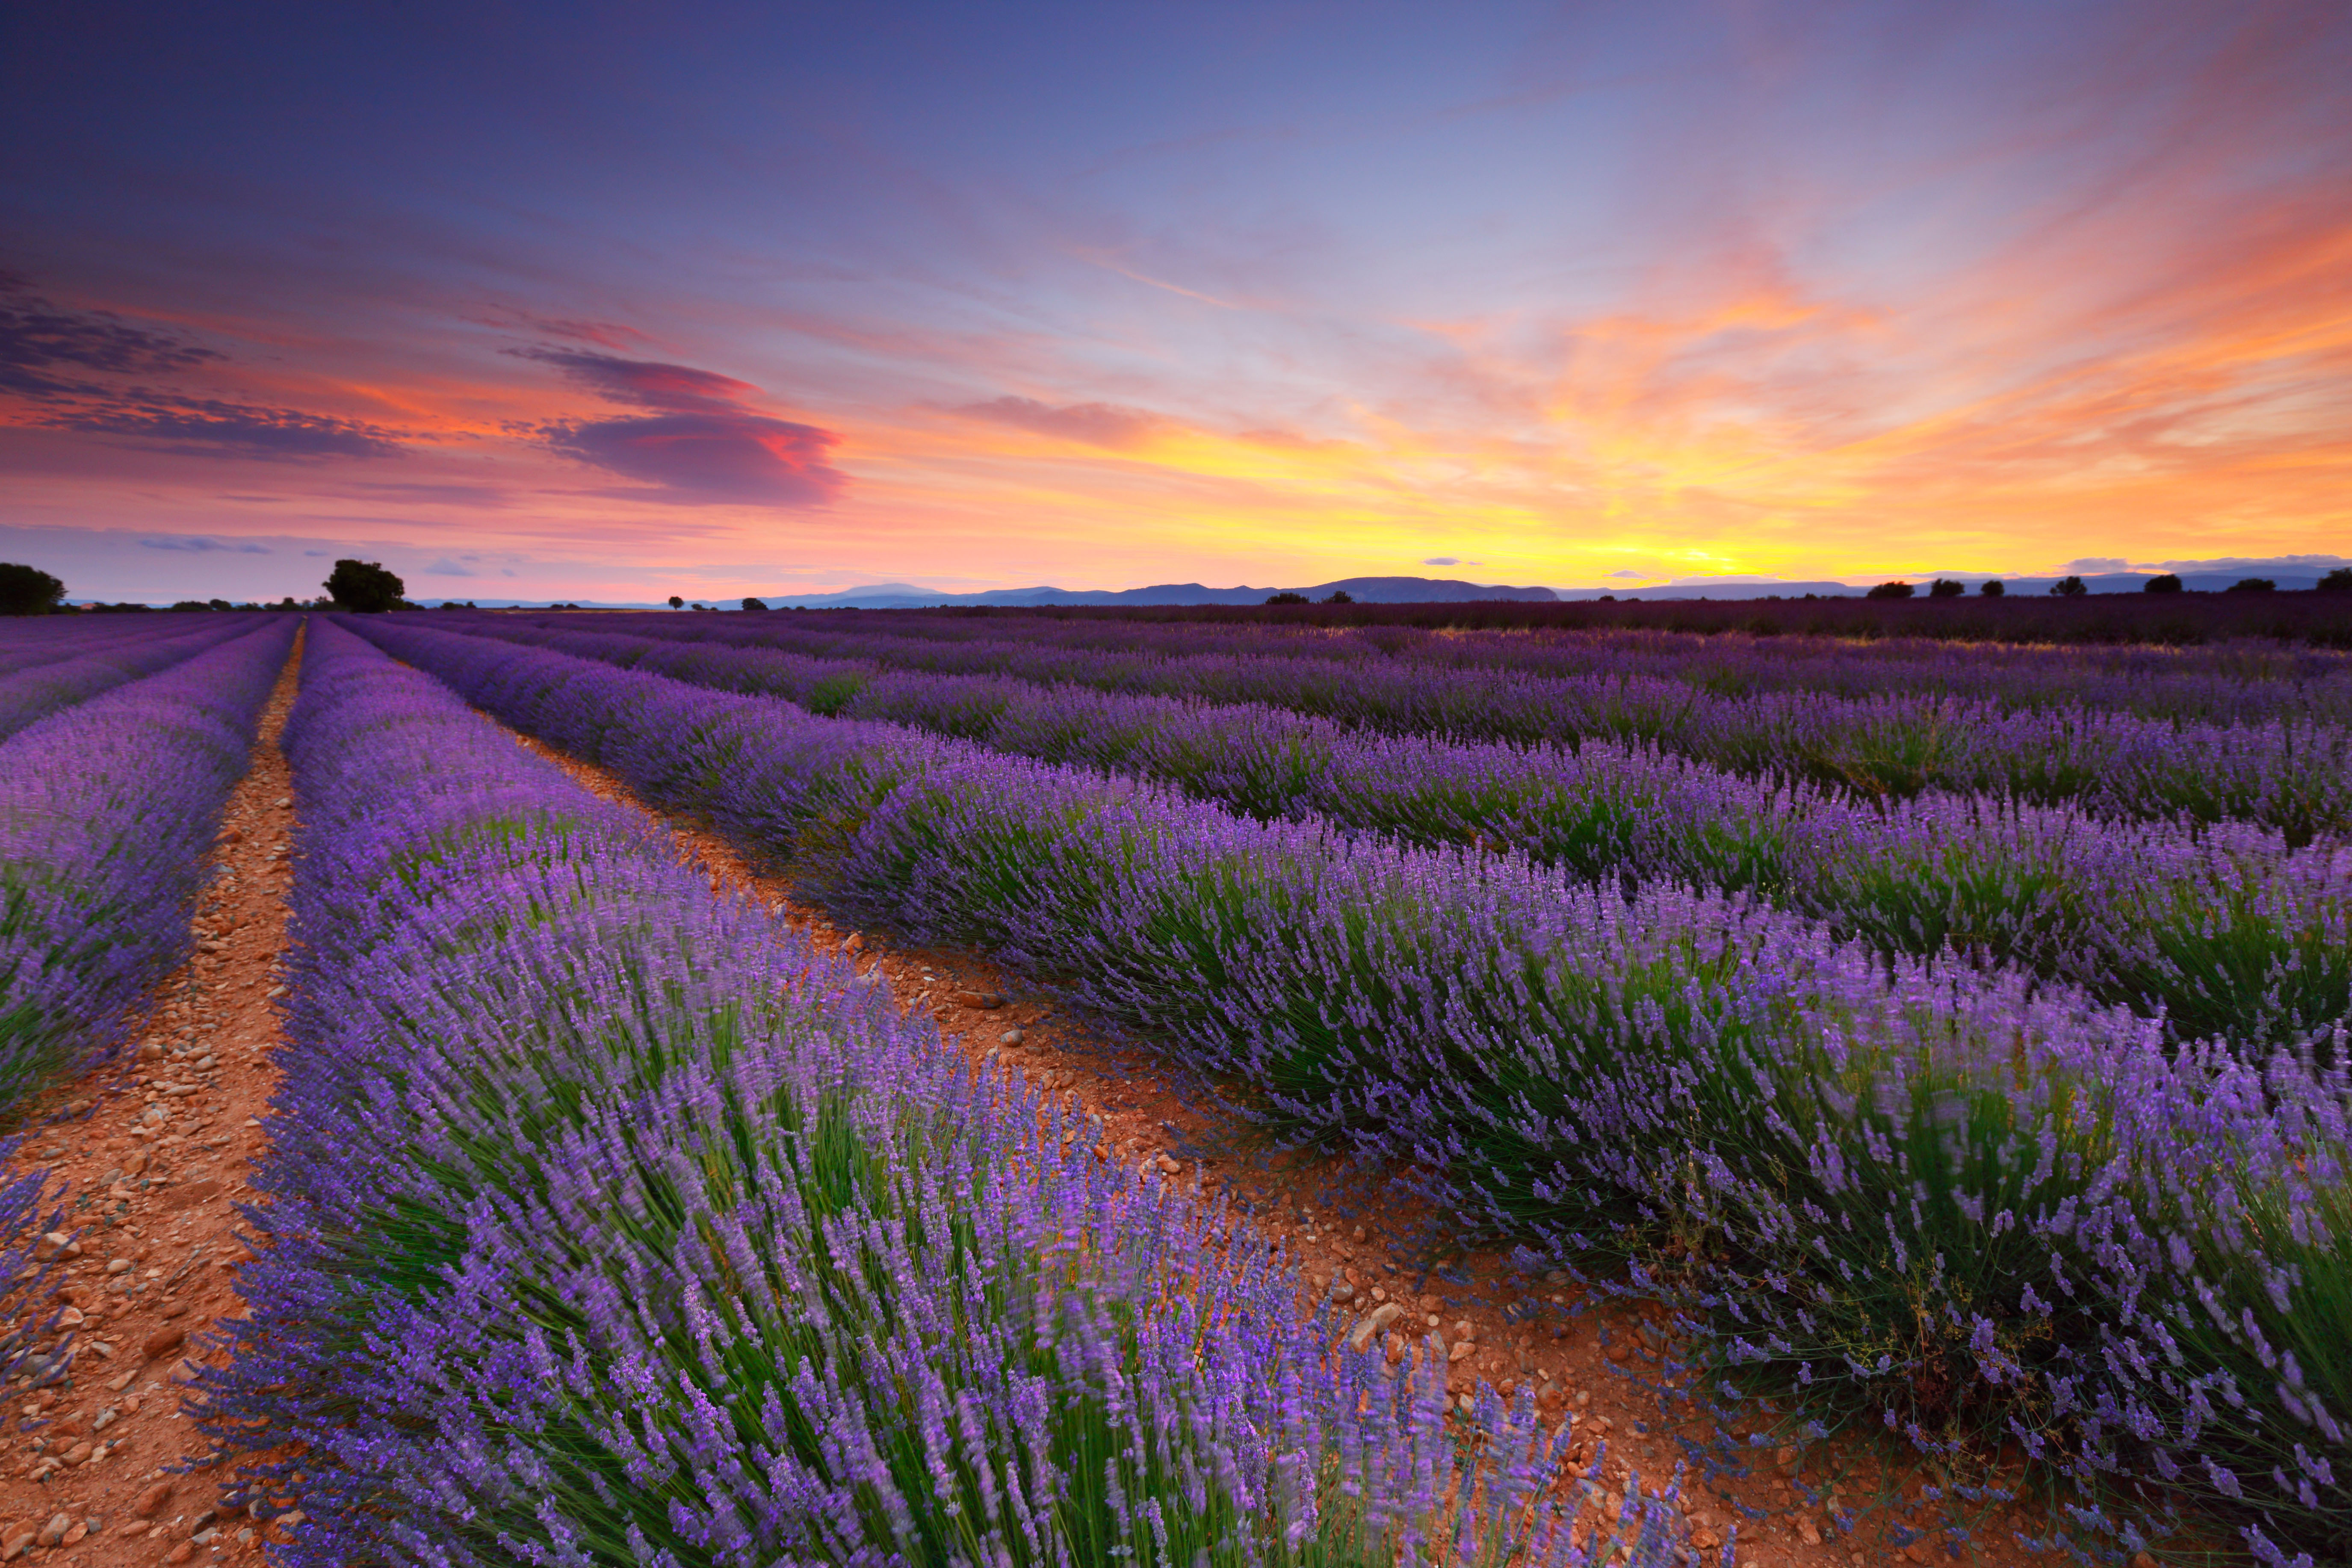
x,y
613,1224
1967,1205
2287,773
106,811
2228,684
2222,929
28,693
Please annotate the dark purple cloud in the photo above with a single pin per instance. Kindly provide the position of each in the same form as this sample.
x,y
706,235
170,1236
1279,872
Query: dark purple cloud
x,y
709,457
701,445
211,428
1109,424
37,337
648,383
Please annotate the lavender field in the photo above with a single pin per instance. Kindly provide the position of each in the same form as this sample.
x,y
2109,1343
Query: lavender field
x,y
1954,1045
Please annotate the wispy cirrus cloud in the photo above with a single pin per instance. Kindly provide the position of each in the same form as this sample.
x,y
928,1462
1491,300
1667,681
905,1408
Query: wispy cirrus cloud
x,y
202,544
51,354
1107,424
38,339
212,428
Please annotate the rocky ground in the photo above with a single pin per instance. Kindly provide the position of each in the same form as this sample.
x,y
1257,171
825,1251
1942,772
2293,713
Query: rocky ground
x,y
148,1156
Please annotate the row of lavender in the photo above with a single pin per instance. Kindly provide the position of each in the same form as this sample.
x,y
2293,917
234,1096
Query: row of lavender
x,y
100,663
106,811
615,1225
2228,684
27,643
1915,1190
2222,930
2295,778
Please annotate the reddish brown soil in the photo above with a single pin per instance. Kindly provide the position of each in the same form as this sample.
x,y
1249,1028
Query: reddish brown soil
x,y
149,1155
1588,1358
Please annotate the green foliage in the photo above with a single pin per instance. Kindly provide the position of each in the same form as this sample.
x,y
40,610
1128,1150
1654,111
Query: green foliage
x,y
364,586
28,590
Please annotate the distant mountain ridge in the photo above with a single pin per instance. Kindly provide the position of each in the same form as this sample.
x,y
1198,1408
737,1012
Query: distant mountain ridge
x,y
1363,590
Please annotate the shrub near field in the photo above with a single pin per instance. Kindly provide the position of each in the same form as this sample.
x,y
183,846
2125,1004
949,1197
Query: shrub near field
x,y
2289,774
612,1224
2228,683
106,811
1973,1207
2220,930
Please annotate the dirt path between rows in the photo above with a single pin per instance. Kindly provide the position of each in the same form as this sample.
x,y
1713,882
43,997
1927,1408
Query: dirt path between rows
x,y
149,1155
1365,1244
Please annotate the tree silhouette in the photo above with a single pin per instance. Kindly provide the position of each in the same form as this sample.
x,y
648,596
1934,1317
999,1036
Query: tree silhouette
x,y
2167,584
2070,588
364,586
1891,591
1946,588
28,590
676,603
1993,588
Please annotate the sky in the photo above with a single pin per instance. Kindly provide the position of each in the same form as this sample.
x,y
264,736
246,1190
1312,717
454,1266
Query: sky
x,y
595,301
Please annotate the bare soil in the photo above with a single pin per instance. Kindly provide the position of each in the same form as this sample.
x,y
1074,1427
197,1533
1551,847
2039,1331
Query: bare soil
x,y
148,1156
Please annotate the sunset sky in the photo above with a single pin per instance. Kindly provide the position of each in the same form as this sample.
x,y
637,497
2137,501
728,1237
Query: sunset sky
x,y
537,300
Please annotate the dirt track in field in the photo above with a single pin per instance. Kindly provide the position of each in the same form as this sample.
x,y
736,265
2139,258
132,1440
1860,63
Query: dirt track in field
x,y
1350,1228
148,1155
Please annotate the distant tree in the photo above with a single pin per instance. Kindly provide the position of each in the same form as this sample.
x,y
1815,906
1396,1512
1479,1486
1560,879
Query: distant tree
x,y
1289,599
2251,585
1340,597
755,604
1606,599
1945,588
676,603
2337,581
2167,584
28,590
220,604
1992,588
2070,588
191,605
1891,591
364,586
450,605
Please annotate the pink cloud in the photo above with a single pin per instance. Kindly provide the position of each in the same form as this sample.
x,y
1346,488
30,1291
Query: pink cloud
x,y
1108,425
701,445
